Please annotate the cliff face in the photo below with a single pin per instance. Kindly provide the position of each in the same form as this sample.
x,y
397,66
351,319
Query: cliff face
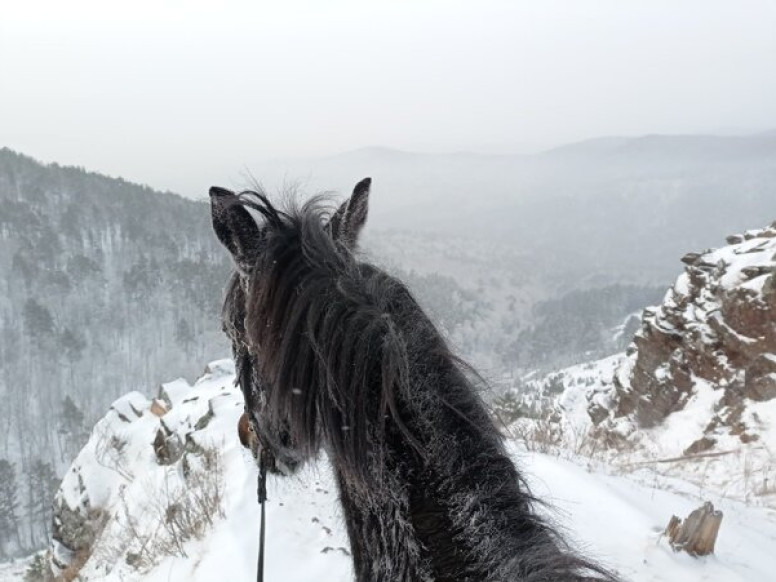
x,y
714,333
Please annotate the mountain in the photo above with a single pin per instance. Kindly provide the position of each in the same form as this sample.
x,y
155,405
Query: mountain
x,y
587,209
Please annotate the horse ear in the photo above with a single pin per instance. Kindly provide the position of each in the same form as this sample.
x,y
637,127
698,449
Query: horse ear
x,y
346,224
235,227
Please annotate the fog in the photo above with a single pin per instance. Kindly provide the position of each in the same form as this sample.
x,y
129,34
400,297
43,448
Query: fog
x,y
181,95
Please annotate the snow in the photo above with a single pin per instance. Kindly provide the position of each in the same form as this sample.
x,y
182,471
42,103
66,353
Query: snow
x,y
762,415
611,518
574,401
172,391
682,285
755,252
14,570
686,425
621,522
302,522
745,472
744,463
614,517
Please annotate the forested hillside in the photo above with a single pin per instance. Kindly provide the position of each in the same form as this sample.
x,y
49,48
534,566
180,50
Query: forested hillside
x,y
580,325
106,286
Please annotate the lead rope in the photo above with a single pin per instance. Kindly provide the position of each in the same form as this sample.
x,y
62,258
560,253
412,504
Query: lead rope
x,y
262,493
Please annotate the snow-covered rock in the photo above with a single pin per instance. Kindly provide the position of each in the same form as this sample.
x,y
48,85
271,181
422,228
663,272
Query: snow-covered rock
x,y
164,484
117,503
695,392
710,345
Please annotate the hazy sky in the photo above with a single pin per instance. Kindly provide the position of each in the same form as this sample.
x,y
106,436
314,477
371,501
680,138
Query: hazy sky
x,y
177,93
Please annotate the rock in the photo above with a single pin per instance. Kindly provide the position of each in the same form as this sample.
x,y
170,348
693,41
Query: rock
x,y
158,407
74,531
167,447
172,391
760,378
717,325
756,271
204,420
700,446
597,412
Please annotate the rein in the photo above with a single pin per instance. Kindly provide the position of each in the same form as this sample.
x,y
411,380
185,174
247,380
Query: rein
x,y
262,495
261,490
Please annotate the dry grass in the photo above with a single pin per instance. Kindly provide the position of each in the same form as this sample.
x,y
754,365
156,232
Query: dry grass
x,y
169,517
110,452
70,574
538,436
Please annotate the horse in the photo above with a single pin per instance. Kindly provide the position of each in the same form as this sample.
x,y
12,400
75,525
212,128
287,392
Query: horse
x,y
334,354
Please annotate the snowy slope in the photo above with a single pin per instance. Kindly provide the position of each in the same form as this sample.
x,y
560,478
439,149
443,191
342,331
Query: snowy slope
x,y
730,469
612,517
694,395
711,343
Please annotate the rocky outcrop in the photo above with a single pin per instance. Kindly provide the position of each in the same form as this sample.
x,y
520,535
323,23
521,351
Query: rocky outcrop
x,y
716,327
134,452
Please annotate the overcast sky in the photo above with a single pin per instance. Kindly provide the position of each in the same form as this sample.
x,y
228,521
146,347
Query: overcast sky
x,y
181,93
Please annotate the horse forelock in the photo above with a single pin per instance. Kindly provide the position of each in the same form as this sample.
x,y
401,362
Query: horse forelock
x,y
317,324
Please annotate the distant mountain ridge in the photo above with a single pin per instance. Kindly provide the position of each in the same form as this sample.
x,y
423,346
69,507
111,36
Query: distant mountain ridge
x,y
596,145
592,205
723,147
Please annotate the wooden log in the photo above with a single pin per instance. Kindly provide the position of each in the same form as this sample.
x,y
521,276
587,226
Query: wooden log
x,y
697,534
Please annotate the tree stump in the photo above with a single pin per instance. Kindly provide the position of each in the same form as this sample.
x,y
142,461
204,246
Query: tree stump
x,y
697,534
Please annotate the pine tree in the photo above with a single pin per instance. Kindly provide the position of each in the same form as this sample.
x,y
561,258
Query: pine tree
x,y
72,345
73,430
183,334
42,484
9,504
37,320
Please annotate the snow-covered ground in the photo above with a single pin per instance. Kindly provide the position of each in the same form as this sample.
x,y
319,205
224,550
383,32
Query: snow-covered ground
x,y
13,571
732,469
612,517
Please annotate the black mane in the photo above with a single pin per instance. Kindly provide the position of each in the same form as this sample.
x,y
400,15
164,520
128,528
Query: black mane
x,y
333,353
322,326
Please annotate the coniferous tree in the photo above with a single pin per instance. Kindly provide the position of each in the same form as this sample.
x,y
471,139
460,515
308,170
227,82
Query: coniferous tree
x,y
184,334
38,322
42,484
9,505
73,429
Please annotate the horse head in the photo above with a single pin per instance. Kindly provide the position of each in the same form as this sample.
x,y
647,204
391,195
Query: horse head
x,y
263,241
